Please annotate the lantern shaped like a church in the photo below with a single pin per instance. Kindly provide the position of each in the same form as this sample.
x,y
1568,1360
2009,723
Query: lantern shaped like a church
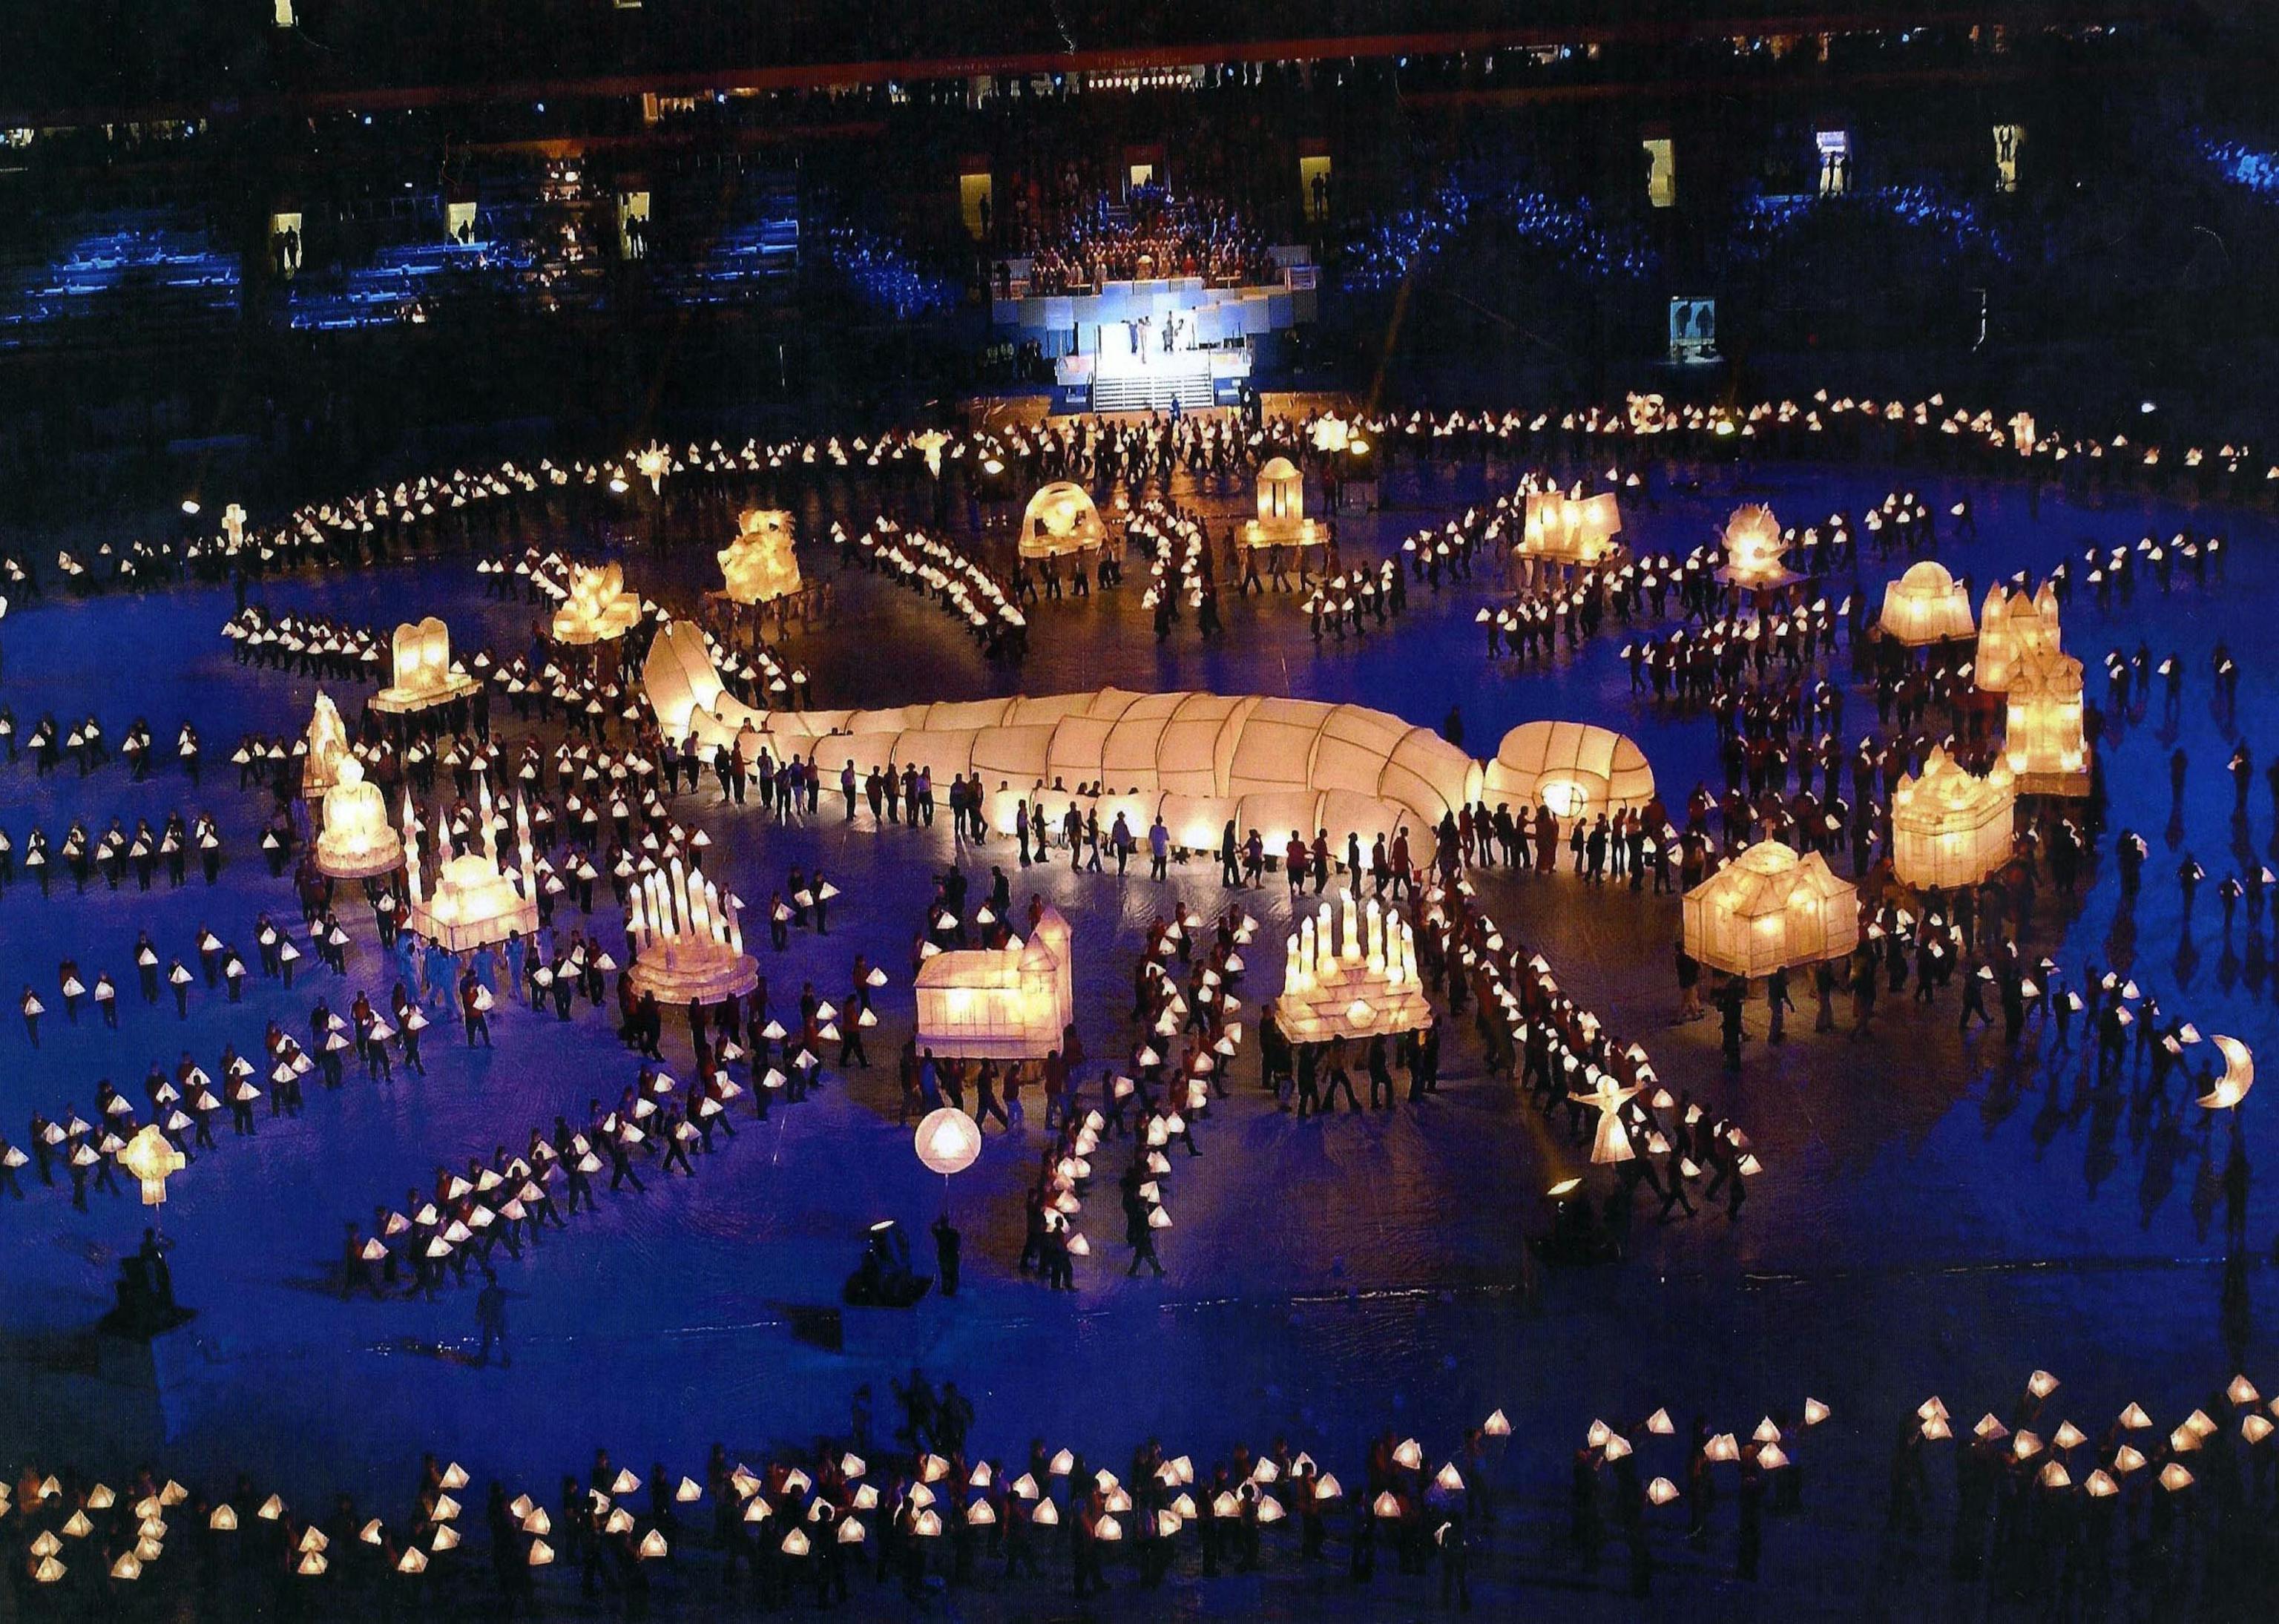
x,y
2042,739
2011,627
1013,1002
1926,605
1770,909
1951,828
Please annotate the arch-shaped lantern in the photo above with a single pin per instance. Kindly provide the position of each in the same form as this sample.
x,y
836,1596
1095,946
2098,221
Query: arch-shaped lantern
x,y
1281,520
1061,519
424,675
1576,768
1950,827
1770,910
1926,605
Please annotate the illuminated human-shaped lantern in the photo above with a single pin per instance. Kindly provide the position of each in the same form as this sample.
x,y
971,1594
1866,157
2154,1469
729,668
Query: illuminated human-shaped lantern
x,y
1574,768
357,841
1770,910
1926,605
1013,1002
1949,827
2043,742
761,564
1755,550
1570,528
328,746
598,608
2010,627
1061,519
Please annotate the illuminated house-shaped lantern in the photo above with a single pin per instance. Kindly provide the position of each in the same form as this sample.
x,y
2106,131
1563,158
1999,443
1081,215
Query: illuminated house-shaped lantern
x,y
2042,741
2011,627
1577,769
1951,828
1281,520
688,939
761,565
598,608
475,900
423,674
1572,528
1926,605
1754,550
1770,908
1013,1002
1351,974
357,841
1061,519
327,742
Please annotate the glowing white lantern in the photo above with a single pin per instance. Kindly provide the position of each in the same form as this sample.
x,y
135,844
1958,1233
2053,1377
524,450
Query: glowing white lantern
x,y
1770,908
1950,828
999,1003
1754,549
598,608
327,746
2043,742
688,938
1570,528
1574,768
1926,605
152,1159
423,672
2012,626
1061,519
2231,1088
1351,973
475,899
948,1141
761,564
357,841
1281,518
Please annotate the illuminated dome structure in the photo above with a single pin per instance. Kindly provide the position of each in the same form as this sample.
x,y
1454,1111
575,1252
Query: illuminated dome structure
x,y
1574,768
1281,520
1927,605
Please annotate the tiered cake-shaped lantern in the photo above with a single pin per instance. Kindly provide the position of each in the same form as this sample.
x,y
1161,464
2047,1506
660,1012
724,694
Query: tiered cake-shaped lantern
x,y
1351,974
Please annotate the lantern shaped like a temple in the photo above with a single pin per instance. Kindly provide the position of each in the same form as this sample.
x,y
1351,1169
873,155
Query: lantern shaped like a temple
x,y
2011,627
2043,737
1770,909
1951,828
1926,605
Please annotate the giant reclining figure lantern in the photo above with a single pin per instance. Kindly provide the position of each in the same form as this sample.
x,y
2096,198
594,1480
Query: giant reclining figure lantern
x,y
1196,760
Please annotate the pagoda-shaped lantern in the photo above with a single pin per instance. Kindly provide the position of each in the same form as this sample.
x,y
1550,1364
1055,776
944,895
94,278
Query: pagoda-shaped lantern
x,y
761,565
1770,910
2042,739
1926,605
2011,627
1952,828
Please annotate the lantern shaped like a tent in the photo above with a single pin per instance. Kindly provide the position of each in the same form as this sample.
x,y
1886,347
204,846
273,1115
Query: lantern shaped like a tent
x,y
1574,768
2042,741
1281,520
1754,549
357,842
1952,828
999,1003
598,608
2011,627
1926,605
761,564
1570,528
327,742
1061,519
423,674
1770,908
